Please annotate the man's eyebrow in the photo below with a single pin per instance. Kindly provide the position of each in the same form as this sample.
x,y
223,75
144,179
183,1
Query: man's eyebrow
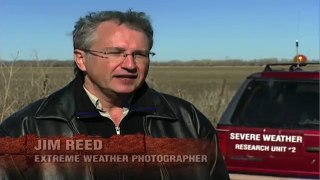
x,y
123,49
114,49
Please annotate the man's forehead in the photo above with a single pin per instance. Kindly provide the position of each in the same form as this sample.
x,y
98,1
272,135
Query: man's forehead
x,y
116,23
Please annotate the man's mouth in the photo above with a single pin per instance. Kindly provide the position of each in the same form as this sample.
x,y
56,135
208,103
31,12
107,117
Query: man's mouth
x,y
126,76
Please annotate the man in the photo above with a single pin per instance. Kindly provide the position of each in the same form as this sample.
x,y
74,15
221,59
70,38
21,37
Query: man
x,y
109,96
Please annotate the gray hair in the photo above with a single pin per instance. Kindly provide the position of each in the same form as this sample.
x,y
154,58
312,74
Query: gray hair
x,y
85,27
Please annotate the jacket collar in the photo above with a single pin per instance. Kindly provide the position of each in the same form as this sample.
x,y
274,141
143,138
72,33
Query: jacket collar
x,y
65,103
152,103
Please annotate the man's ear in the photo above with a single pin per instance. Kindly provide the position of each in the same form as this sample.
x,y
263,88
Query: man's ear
x,y
80,59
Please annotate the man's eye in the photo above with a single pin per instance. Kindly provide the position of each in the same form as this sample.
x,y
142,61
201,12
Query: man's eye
x,y
114,53
140,54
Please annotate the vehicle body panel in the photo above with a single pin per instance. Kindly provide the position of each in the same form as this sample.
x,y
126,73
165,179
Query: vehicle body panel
x,y
271,126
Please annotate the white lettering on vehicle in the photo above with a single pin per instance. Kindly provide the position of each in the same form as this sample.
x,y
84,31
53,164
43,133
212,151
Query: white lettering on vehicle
x,y
245,136
282,138
266,138
251,147
257,147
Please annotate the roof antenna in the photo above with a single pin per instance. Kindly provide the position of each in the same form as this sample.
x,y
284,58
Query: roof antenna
x,y
297,47
297,56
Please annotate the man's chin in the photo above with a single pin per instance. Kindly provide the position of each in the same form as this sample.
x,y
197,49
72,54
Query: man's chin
x,y
128,90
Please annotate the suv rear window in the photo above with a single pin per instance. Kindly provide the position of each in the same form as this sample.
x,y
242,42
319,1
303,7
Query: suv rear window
x,y
279,103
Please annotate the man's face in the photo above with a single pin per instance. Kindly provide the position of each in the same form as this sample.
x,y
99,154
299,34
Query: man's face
x,y
108,74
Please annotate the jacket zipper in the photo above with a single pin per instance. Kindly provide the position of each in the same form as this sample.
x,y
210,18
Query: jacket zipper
x,y
119,166
117,130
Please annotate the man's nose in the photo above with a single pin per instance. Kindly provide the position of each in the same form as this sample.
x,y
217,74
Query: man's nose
x,y
129,62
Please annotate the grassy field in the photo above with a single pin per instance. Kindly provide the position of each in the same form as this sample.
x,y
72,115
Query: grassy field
x,y
208,88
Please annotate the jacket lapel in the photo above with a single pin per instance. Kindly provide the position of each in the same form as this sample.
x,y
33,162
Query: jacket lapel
x,y
59,105
151,103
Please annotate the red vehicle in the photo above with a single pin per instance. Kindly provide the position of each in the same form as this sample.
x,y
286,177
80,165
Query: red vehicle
x,y
271,126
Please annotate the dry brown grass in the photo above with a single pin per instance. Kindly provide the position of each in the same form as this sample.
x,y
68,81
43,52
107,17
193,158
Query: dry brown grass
x,y
208,88
20,86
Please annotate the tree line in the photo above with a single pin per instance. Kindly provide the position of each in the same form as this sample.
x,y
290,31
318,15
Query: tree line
x,y
203,62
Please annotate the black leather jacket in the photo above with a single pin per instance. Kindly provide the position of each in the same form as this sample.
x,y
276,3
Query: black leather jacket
x,y
55,116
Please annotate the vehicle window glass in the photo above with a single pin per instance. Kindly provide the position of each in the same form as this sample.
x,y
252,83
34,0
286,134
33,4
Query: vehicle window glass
x,y
282,104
